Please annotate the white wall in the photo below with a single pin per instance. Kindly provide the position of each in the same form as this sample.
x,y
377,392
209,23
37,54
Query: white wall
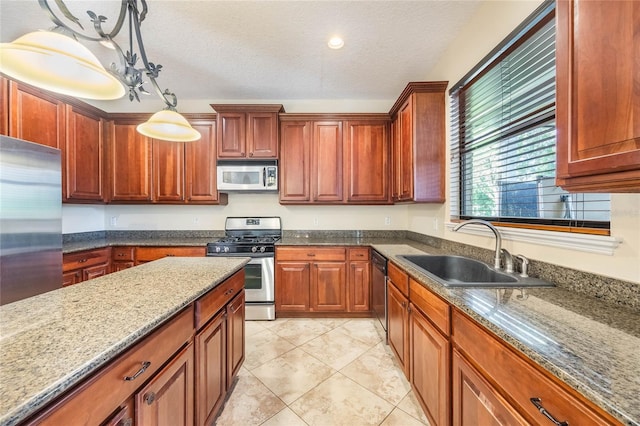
x,y
81,218
493,21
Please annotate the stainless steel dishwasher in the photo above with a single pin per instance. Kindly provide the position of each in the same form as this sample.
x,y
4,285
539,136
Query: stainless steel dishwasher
x,y
379,288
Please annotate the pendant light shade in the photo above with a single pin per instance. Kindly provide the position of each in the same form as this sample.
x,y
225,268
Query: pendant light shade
x,y
60,64
168,125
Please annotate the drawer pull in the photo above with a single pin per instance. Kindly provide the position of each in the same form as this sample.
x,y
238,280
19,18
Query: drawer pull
x,y
149,398
311,254
144,367
538,403
83,260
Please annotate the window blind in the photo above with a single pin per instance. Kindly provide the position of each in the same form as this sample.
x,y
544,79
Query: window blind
x,y
503,155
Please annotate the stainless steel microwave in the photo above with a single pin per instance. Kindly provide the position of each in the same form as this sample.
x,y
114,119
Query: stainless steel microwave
x,y
247,176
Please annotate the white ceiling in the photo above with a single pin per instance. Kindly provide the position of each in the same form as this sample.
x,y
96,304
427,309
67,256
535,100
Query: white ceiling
x,y
277,50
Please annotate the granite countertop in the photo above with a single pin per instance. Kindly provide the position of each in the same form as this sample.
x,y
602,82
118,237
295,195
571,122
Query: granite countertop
x,y
50,342
166,241
590,345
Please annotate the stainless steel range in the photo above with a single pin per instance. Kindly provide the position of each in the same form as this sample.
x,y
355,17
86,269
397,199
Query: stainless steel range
x,y
253,237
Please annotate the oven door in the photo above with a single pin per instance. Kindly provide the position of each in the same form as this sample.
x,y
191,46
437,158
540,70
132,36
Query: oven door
x,y
258,281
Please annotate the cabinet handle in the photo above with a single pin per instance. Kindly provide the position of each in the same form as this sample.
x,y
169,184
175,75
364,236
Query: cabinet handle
x,y
311,254
170,255
149,398
538,403
251,154
83,260
144,367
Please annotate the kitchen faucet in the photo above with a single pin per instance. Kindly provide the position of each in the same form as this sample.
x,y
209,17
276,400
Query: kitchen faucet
x,y
499,249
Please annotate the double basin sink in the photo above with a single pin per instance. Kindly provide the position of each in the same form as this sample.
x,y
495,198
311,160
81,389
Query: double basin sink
x,y
459,271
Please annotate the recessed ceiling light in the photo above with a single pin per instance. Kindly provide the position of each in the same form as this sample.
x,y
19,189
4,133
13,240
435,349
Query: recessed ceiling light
x,y
336,42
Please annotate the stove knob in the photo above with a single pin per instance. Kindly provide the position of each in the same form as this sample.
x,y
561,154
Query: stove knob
x,y
226,249
254,249
262,249
217,249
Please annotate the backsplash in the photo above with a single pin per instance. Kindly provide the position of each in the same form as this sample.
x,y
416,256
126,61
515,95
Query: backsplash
x,y
619,292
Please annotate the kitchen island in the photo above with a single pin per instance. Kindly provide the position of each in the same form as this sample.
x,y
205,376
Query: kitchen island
x,y
54,341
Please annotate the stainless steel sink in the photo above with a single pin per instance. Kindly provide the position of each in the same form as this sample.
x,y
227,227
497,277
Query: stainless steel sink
x,y
459,271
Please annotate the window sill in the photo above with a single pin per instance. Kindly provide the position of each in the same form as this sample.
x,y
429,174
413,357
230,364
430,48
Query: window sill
x,y
599,244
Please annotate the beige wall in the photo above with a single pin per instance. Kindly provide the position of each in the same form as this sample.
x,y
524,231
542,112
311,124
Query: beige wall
x,y
492,23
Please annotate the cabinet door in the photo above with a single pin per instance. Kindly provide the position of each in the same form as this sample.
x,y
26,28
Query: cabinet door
x,y
359,287
200,165
84,159
430,361
95,271
4,106
367,161
262,135
168,171
71,277
328,286
211,369
404,172
295,159
168,398
35,116
130,163
598,101
327,164
395,159
398,326
292,288
232,134
475,402
235,336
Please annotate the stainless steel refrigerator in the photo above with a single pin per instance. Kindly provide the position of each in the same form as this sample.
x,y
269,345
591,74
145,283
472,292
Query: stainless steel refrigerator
x,y
30,219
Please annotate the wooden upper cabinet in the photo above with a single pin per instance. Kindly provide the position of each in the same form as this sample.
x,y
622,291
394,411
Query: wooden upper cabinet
x,y
4,106
83,152
35,116
334,159
326,161
419,143
168,171
366,155
247,131
295,157
598,100
130,164
200,165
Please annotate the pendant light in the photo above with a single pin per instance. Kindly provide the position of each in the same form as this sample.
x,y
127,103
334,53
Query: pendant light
x,y
59,63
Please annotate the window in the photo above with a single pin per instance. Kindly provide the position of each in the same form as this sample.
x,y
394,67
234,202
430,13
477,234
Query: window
x,y
503,145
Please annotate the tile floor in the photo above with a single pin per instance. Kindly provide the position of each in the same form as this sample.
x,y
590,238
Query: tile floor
x,y
319,372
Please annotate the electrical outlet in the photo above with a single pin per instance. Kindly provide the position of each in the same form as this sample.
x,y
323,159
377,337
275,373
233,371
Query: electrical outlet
x,y
387,220
315,221
114,221
435,224
196,220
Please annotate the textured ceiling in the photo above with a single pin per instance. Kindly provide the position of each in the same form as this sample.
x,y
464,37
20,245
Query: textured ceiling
x,y
240,50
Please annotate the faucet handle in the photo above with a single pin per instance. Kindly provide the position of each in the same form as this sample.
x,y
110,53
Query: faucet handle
x,y
525,265
508,261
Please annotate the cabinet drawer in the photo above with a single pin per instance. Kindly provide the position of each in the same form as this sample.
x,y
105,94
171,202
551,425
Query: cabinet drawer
x,y
122,253
436,309
82,259
399,278
519,380
359,253
108,389
209,304
147,254
311,253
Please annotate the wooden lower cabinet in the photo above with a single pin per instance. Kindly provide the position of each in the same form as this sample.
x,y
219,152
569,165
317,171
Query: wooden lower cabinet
x,y
180,374
398,326
148,254
85,265
168,398
430,360
211,350
327,280
122,258
475,401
